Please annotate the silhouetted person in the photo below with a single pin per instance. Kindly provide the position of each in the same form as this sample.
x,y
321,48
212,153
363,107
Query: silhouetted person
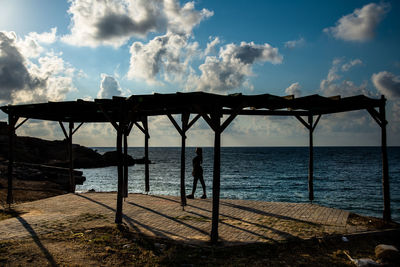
x,y
198,173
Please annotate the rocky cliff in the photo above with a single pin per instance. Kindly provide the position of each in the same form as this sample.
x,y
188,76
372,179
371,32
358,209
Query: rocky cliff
x,y
54,153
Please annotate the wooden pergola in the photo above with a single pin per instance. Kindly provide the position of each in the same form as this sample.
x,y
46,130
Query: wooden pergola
x,y
124,113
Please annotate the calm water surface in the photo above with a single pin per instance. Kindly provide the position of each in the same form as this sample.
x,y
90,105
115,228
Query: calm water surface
x,y
344,177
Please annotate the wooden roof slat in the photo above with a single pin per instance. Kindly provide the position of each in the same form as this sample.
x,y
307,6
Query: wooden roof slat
x,y
137,106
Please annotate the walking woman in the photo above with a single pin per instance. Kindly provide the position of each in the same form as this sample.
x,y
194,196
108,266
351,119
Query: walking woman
x,y
198,173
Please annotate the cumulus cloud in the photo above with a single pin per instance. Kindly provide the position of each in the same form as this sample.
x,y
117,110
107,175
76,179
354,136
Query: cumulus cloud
x,y
293,89
232,67
22,80
333,84
169,54
113,23
182,20
359,25
31,45
294,43
387,84
109,87
211,46
14,74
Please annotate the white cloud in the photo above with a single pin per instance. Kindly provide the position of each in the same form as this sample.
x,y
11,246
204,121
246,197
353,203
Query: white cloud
x,y
168,54
31,45
295,43
211,46
45,37
333,84
361,24
387,84
347,66
14,74
95,23
22,80
109,87
293,89
183,20
232,67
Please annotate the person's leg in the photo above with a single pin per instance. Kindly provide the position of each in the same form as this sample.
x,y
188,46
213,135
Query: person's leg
x,y
195,178
204,187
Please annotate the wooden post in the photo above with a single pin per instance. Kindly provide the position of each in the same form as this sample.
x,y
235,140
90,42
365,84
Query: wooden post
x,y
71,160
118,215
216,119
311,160
12,120
125,160
385,166
185,120
146,155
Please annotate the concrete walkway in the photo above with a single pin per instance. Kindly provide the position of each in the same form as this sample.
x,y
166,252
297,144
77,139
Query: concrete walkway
x,y
241,221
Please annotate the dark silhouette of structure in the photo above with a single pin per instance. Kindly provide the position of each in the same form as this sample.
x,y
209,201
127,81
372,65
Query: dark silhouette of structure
x,y
125,113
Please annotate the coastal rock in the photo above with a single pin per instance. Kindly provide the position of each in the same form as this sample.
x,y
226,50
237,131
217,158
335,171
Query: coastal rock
x,y
111,157
387,253
54,153
142,161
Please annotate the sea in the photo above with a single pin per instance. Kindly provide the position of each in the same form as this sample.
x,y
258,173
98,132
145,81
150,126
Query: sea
x,y
348,178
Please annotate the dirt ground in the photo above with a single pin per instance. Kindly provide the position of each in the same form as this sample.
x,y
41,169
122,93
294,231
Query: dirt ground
x,y
25,191
112,246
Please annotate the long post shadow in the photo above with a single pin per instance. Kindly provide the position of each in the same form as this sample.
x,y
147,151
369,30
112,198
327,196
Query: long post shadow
x,y
248,209
169,217
36,239
131,222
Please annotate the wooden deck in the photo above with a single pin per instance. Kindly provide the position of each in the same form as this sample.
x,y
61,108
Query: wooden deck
x,y
241,221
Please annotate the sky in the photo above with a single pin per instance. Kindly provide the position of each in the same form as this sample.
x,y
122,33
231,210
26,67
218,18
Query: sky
x,y
87,49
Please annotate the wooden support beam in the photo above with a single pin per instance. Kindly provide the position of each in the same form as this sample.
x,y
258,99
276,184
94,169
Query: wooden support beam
x,y
63,129
125,162
193,121
310,125
209,121
311,160
118,215
12,120
216,120
185,121
232,116
140,127
20,124
130,126
303,122
77,128
177,127
385,166
114,124
146,154
68,140
376,116
71,159
316,122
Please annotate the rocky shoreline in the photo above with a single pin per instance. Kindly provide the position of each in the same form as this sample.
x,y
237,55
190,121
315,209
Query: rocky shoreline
x,y
54,153
36,159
